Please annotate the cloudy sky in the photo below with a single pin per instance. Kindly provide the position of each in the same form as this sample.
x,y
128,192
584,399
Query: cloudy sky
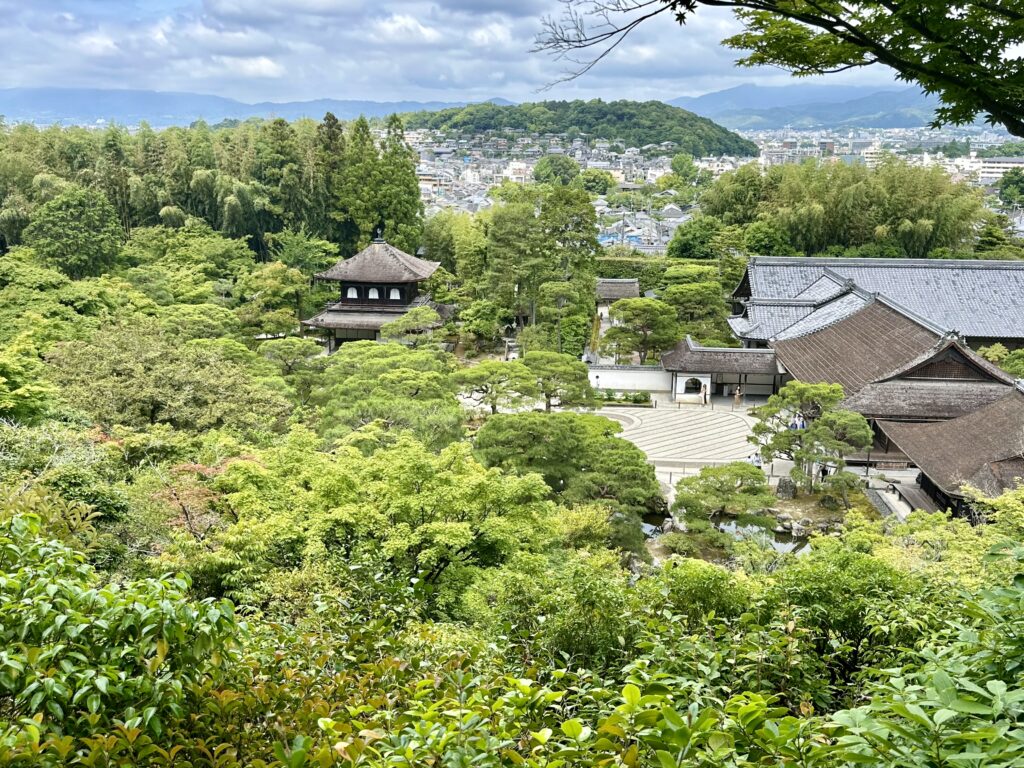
x,y
286,50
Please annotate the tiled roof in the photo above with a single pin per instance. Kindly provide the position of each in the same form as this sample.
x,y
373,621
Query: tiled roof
x,y
924,399
975,298
689,357
361,321
985,369
826,315
859,349
982,449
763,321
380,262
618,288
364,318
827,286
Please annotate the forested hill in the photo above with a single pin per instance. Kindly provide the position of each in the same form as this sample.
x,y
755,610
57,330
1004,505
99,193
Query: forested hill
x,y
635,123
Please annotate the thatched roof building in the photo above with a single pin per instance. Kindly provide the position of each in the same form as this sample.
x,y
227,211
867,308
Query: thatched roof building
x,y
612,289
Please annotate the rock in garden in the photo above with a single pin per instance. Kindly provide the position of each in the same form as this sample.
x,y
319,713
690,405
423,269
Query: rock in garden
x,y
786,488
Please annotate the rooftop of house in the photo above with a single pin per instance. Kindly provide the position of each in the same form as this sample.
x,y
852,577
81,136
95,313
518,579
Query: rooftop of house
x,y
861,348
380,262
892,365
979,299
609,288
689,357
983,449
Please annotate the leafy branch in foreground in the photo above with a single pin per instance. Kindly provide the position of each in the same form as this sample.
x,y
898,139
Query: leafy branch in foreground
x,y
965,54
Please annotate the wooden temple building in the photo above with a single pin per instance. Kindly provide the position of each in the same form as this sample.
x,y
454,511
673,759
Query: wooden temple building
x,y
376,286
898,336
976,299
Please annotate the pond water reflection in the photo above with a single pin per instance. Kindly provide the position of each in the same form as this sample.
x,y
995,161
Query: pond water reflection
x,y
739,528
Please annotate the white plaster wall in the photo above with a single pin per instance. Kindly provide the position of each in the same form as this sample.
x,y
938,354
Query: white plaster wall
x,y
631,378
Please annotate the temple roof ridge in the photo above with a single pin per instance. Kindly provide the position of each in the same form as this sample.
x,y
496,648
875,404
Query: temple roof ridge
x,y
380,262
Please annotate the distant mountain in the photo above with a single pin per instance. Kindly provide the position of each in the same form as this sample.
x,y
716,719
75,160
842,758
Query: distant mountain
x,y
751,96
634,123
752,107
86,106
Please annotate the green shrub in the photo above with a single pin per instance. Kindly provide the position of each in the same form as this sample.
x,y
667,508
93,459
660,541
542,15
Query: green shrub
x,y
735,488
696,588
678,543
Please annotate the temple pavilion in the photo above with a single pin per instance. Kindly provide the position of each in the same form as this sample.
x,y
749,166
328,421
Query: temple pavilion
x,y
377,285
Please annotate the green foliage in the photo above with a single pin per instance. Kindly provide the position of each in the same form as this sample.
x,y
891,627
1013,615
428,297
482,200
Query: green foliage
x,y
528,261
596,181
1011,187
584,527
77,232
560,378
390,384
577,454
695,239
648,270
701,308
415,513
188,386
809,208
695,589
827,437
482,322
295,191
641,326
24,393
556,169
845,596
126,651
636,123
414,327
733,488
1013,363
298,250
497,384
994,353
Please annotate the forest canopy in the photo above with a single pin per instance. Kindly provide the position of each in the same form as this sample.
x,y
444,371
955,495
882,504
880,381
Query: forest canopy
x,y
633,122
221,547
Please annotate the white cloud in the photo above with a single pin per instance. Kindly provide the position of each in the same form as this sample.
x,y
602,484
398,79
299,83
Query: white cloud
x,y
252,66
402,28
448,50
96,44
495,33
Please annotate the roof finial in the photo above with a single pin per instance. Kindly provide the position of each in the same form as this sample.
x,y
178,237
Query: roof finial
x,y
378,234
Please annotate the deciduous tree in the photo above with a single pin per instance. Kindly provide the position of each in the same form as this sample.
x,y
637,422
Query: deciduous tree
x,y
967,58
77,232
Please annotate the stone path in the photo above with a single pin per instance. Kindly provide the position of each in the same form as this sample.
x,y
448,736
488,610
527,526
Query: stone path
x,y
685,438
